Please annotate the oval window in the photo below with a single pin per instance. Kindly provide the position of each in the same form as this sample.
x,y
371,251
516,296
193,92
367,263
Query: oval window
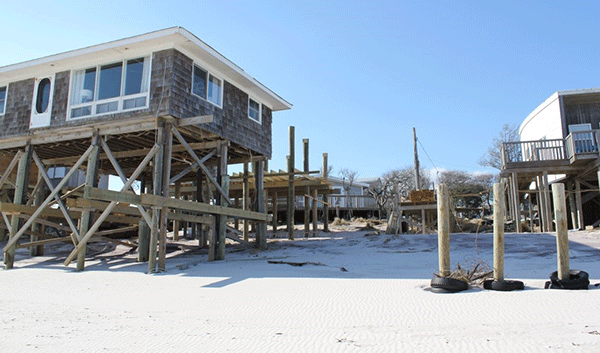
x,y
43,96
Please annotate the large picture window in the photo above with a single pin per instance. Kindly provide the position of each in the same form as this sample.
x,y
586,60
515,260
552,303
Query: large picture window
x,y
207,86
2,99
110,88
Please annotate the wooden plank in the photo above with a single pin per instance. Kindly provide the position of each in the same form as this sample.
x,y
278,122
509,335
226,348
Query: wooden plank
x,y
182,217
10,167
195,120
325,175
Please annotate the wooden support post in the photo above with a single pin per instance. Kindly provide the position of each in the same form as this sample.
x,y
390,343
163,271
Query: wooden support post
x,y
166,177
291,196
562,235
212,242
573,205
530,213
325,175
157,188
21,184
38,197
579,204
307,192
246,201
443,230
516,203
499,215
315,211
91,180
236,222
222,200
274,198
176,223
423,222
548,209
542,205
261,204
199,231
144,228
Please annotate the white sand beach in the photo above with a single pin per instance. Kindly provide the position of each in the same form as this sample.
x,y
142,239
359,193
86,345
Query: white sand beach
x,y
357,292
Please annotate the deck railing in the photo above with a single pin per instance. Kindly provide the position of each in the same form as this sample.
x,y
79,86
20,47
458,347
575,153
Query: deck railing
x,y
576,143
528,151
582,142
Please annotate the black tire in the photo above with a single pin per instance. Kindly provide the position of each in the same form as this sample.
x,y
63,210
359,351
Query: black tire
x,y
504,286
577,280
448,285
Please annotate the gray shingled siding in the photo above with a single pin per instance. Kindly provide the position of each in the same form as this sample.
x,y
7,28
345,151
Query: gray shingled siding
x,y
60,98
15,120
170,93
231,121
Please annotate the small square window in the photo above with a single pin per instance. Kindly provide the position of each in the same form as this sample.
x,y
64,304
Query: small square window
x,y
254,110
207,86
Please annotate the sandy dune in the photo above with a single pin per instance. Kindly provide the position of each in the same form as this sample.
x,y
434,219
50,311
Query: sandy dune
x,y
381,302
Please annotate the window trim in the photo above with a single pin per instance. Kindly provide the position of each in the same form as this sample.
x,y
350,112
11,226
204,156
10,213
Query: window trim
x,y
5,99
259,121
209,73
119,100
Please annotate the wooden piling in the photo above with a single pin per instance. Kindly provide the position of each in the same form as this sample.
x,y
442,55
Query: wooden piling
x,y
291,196
562,235
275,210
177,223
223,179
21,183
261,205
325,175
91,177
246,201
144,229
499,215
315,211
443,230
306,192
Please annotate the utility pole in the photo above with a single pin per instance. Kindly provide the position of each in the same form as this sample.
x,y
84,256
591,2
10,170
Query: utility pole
x,y
417,177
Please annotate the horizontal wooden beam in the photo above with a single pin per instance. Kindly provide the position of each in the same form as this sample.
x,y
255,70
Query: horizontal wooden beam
x,y
134,153
195,120
174,216
160,201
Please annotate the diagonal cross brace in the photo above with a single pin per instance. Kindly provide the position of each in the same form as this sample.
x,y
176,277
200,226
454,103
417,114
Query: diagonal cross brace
x,y
111,205
59,201
191,167
201,165
10,167
117,167
39,210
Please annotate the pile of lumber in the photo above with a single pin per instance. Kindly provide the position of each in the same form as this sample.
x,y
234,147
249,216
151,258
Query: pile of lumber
x,y
421,196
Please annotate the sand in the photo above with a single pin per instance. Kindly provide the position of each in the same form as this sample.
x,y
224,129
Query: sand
x,y
358,291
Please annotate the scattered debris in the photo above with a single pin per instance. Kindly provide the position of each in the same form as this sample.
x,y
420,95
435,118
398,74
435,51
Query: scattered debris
x,y
297,264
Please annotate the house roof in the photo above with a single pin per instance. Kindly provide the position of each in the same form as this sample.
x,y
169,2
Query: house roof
x,y
174,37
591,92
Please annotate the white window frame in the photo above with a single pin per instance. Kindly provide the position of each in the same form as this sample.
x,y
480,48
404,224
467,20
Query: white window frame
x,y
5,99
209,73
259,110
120,99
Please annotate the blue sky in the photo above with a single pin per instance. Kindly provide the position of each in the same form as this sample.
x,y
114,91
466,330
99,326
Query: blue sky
x,y
360,74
